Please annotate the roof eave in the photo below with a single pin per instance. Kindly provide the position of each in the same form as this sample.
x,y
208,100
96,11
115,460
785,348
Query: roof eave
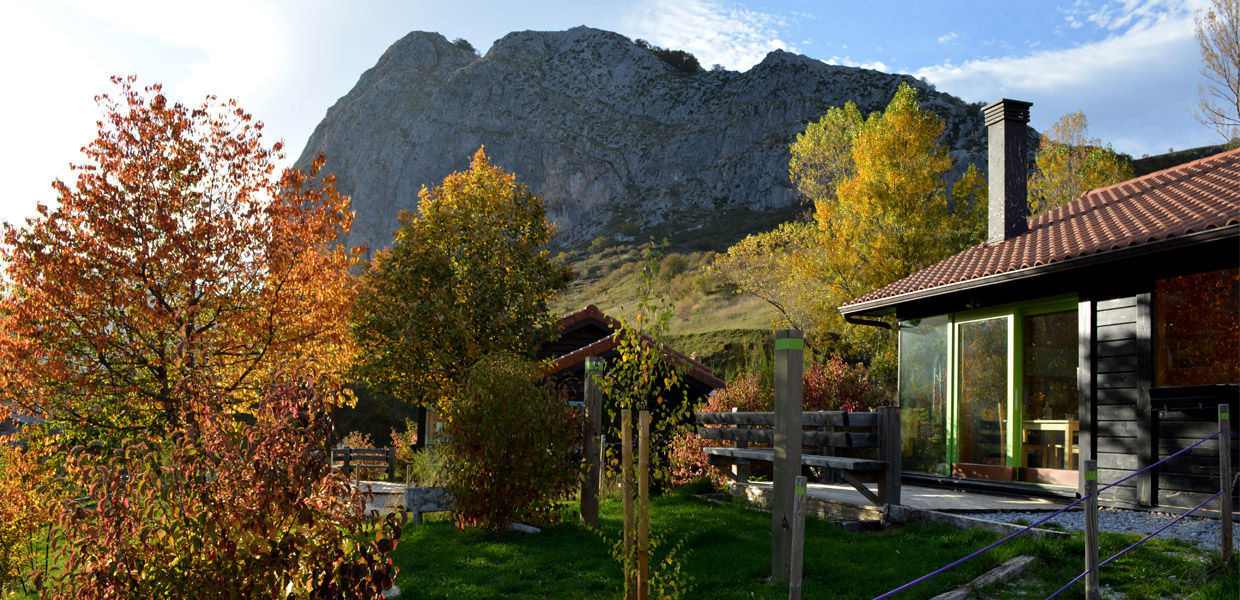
x,y
888,305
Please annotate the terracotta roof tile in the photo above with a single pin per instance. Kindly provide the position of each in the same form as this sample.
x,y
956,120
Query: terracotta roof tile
x,y
1189,198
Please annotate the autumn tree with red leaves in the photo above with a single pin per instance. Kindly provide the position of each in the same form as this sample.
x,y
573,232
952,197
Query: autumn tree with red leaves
x,y
177,265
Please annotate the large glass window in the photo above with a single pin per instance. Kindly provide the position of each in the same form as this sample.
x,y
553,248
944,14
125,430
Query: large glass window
x,y
1197,329
923,394
983,398
1049,424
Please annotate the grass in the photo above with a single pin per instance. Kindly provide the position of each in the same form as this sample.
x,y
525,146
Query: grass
x,y
728,556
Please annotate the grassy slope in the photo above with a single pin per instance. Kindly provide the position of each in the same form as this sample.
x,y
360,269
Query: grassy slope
x,y
727,556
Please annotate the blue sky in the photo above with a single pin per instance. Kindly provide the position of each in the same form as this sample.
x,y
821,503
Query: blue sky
x,y
1131,65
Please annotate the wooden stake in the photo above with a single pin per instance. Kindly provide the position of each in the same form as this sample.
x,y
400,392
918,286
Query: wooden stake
x,y
593,397
643,506
1091,530
626,490
1224,473
798,540
789,363
889,452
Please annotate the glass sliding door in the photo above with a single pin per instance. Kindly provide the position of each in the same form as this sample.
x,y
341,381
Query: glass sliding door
x,y
982,399
1049,417
924,373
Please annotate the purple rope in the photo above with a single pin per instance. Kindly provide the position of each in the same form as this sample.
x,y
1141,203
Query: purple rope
x,y
1142,541
1161,529
1010,536
1060,590
1051,516
1204,440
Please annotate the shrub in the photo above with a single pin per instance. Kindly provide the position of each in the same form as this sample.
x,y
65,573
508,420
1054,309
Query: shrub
x,y
836,385
672,265
746,392
678,59
428,467
689,463
601,243
224,508
512,446
405,443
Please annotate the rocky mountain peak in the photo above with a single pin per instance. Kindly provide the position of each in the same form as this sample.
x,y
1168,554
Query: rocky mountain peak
x,y
603,129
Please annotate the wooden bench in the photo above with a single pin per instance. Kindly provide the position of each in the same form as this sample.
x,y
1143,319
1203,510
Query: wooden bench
x,y
365,458
883,434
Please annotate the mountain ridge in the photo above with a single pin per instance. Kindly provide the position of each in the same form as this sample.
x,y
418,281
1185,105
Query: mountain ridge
x,y
603,130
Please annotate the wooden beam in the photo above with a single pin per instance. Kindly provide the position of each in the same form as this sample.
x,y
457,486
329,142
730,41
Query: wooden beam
x,y
1147,426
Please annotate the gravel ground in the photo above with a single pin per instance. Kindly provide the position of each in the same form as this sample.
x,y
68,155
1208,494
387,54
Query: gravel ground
x,y
1205,533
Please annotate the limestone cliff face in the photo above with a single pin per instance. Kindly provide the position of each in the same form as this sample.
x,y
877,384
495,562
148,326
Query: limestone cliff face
x,y
604,131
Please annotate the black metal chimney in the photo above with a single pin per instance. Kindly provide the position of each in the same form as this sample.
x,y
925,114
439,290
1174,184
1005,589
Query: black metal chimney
x,y
1007,204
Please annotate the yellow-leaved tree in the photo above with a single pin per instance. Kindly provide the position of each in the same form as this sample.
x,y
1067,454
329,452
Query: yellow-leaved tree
x,y
1071,163
881,212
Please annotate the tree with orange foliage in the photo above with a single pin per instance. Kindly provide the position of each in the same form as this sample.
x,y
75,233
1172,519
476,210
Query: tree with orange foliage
x,y
177,265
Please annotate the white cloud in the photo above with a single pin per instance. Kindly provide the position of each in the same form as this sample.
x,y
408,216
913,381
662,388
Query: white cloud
x,y
1135,85
947,37
715,32
847,61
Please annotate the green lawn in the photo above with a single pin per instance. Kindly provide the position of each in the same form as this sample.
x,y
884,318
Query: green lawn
x,y
727,555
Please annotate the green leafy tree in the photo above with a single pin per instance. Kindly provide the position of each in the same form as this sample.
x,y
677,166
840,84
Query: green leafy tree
x,y
1070,163
466,277
881,213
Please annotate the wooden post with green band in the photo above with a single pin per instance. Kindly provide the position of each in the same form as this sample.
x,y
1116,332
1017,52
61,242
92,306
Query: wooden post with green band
x,y
592,394
1225,481
789,363
1091,529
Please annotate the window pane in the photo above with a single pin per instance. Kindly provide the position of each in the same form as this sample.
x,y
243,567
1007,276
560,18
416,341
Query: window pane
x,y
1197,329
1050,424
983,392
923,394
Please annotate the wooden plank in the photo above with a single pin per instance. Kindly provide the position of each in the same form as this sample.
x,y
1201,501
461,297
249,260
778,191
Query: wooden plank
x,y
889,452
789,403
813,460
837,439
1112,333
1147,493
1117,412
1117,380
1113,460
1087,391
865,491
1115,303
1117,364
1122,347
1120,396
1119,429
1117,316
1188,430
832,418
1117,445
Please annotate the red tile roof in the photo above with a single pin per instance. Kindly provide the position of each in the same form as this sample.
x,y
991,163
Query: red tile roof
x,y
695,369
1189,198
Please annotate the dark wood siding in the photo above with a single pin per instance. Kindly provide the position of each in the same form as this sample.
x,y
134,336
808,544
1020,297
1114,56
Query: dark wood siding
x,y
1184,417
1115,367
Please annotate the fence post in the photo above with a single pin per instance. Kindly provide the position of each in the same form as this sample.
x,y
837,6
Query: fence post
x,y
1091,530
889,452
391,461
643,505
626,485
1224,473
798,540
789,363
740,466
593,397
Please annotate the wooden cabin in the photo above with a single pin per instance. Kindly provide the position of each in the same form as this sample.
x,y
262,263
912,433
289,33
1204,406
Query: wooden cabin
x,y
1106,329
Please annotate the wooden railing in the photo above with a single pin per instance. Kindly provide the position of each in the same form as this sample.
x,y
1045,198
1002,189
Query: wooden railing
x,y
365,458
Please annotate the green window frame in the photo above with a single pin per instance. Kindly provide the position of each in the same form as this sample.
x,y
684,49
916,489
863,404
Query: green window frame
x,y
1014,314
